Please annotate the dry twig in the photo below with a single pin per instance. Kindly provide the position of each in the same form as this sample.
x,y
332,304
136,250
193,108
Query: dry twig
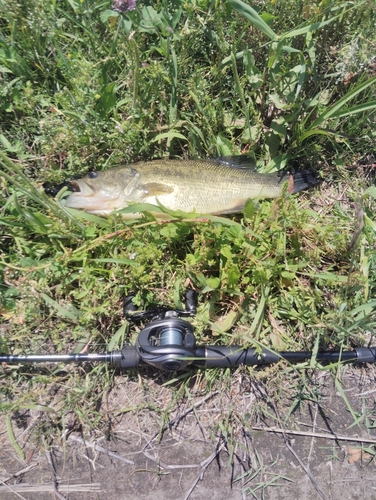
x,y
53,476
100,449
323,435
49,488
204,465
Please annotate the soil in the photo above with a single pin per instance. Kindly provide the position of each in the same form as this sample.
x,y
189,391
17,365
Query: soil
x,y
308,454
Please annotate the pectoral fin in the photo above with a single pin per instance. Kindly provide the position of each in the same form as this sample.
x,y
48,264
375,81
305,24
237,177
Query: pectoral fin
x,y
155,189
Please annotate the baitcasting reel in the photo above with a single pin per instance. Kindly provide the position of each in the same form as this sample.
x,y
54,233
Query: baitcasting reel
x,y
167,342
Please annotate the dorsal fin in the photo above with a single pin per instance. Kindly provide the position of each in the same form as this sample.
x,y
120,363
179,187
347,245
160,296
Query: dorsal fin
x,y
235,161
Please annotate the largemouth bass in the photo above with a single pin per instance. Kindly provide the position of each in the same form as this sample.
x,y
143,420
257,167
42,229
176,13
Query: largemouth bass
x,y
217,186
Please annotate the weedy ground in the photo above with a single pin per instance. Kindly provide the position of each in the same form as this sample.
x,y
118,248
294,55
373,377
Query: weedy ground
x,y
83,87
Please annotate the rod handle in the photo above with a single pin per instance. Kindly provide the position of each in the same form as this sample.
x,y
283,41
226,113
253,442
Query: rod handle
x,y
366,354
129,358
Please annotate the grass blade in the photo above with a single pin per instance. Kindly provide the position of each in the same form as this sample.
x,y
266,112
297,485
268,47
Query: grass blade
x,y
12,438
174,86
79,214
14,175
360,108
128,262
64,313
334,110
339,388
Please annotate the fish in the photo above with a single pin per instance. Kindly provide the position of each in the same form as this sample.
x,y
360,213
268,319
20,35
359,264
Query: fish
x,y
214,186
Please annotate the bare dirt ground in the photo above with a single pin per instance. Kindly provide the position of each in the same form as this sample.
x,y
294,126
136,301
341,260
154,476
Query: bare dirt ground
x,y
234,443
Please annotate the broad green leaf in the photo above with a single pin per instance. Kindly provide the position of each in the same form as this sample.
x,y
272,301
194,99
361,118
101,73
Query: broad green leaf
x,y
224,146
233,276
213,283
268,18
224,324
169,135
107,99
107,14
249,13
277,163
370,192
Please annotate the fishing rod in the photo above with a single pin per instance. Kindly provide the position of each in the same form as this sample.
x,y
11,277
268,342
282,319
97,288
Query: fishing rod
x,y
168,343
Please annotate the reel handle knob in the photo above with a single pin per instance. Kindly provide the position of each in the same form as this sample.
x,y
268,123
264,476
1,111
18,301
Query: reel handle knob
x,y
128,305
191,301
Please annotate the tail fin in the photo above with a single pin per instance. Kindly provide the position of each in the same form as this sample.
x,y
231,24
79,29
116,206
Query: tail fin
x,y
299,181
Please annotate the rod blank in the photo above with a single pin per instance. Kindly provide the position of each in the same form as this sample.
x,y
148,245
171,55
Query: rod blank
x,y
203,356
110,357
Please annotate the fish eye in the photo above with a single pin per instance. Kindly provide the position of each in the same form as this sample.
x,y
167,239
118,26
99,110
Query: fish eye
x,y
93,175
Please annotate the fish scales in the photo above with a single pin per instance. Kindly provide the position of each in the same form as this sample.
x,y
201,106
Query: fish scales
x,y
204,186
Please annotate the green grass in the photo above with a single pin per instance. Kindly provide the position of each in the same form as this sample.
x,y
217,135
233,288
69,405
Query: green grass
x,y
83,87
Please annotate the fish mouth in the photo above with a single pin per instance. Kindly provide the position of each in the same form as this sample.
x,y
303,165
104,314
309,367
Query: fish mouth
x,y
81,188
85,197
